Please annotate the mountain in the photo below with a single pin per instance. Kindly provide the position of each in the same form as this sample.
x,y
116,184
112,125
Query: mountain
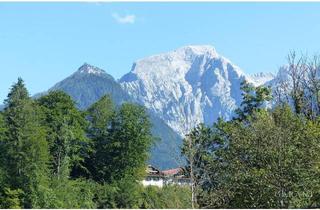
x,y
261,78
89,83
181,88
187,86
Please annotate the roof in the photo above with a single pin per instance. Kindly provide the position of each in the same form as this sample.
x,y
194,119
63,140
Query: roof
x,y
172,172
152,170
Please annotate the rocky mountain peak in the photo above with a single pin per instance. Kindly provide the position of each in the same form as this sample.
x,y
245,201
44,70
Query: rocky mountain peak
x,y
260,78
186,86
90,69
197,50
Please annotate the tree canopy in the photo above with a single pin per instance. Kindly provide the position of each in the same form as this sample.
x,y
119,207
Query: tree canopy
x,y
260,159
53,155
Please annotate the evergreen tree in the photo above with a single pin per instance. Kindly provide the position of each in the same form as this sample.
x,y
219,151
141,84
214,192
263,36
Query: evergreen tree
x,y
11,199
253,98
26,155
2,144
48,144
2,127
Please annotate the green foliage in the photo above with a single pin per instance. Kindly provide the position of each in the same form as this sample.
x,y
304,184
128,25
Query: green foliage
x,y
54,156
168,197
99,116
105,196
122,141
253,99
11,199
2,150
87,89
26,149
73,194
2,127
262,159
129,143
197,148
66,136
128,194
271,161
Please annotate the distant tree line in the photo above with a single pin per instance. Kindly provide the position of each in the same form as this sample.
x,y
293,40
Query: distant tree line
x,y
263,158
53,155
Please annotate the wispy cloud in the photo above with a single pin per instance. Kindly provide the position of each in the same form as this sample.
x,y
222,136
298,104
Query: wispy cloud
x,y
124,19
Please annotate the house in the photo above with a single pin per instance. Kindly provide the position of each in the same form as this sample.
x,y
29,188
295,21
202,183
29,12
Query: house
x,y
153,178
158,178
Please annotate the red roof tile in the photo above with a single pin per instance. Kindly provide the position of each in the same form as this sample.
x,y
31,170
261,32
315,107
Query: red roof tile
x,y
173,171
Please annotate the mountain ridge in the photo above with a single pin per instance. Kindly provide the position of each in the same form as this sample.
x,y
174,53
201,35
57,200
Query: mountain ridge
x,y
187,86
89,83
179,88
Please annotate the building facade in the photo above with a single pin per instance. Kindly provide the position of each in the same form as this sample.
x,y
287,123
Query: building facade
x,y
176,176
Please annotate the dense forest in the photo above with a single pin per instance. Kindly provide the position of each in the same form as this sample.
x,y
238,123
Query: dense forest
x,y
56,156
264,157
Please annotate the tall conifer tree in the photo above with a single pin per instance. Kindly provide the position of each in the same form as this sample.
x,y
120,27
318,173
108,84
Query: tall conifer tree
x,y
26,155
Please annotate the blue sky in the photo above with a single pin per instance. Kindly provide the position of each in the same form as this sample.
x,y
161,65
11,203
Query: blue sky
x,y
46,42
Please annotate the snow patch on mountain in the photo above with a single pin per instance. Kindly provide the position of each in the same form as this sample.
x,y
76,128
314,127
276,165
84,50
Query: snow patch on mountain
x,y
260,78
89,69
188,86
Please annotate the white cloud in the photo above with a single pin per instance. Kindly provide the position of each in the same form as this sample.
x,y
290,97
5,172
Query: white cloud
x,y
124,19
